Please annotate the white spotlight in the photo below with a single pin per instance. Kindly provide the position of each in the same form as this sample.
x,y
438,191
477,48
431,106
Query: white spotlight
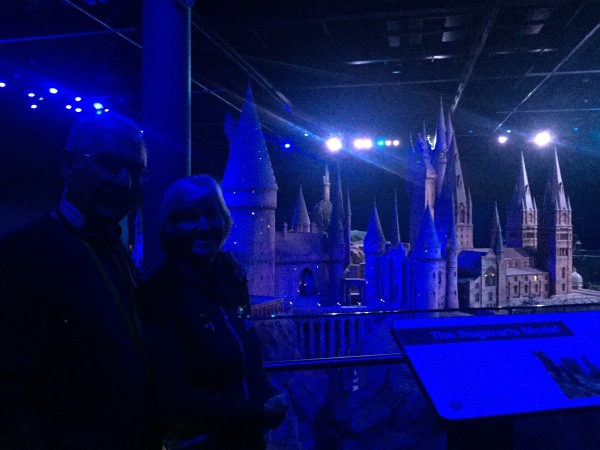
x,y
542,138
502,139
362,143
334,144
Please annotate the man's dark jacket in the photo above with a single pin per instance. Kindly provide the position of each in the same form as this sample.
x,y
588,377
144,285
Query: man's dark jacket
x,y
71,376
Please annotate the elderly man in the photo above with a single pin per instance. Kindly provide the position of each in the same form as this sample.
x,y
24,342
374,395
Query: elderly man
x,y
73,373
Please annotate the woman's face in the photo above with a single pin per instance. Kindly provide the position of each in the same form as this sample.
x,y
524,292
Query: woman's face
x,y
199,231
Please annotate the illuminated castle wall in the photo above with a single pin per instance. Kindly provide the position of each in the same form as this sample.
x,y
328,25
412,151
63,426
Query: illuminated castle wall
x,y
439,267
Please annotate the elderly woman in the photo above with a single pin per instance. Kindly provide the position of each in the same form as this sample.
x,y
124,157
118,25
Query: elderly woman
x,y
203,350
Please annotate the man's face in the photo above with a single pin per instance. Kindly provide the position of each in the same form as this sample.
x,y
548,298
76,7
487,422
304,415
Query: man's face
x,y
103,183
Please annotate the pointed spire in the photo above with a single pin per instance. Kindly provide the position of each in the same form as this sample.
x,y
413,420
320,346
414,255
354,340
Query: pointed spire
x,y
451,242
555,190
440,134
249,165
374,241
326,185
427,245
522,194
300,219
395,237
498,240
348,207
449,132
336,224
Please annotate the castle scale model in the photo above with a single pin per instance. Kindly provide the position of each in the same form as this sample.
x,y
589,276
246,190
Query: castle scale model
x,y
312,257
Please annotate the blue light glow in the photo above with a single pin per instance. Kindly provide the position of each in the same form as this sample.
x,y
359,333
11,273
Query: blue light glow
x,y
53,90
31,94
381,142
77,99
98,105
287,145
2,84
68,106
78,110
34,106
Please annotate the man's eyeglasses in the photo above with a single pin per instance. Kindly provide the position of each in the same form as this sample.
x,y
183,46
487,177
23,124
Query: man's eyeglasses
x,y
112,166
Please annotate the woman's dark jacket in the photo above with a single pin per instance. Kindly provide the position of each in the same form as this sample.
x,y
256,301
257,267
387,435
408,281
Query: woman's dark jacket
x,y
205,353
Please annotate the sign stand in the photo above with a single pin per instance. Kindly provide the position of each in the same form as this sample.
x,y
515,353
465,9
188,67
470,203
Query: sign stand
x,y
481,372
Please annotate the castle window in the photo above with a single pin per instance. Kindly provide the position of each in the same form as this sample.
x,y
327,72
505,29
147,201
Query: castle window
x,y
490,277
525,289
563,287
476,285
537,288
462,216
307,283
563,272
491,297
515,288
439,277
517,264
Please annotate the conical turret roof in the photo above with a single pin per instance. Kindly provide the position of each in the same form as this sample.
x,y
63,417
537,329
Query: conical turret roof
x,y
300,216
427,245
249,165
374,241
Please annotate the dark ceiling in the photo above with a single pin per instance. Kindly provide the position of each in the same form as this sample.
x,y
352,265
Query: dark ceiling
x,y
376,67
338,65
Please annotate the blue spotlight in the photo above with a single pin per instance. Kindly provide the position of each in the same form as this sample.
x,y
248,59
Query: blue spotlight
x,y
77,99
287,145
53,90
2,84
98,105
31,95
380,142
33,106
78,110
68,107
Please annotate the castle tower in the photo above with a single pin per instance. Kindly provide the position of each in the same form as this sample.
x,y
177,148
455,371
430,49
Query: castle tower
x,y
440,150
322,210
300,220
463,206
430,175
498,246
374,248
337,245
250,191
396,291
522,221
415,180
451,262
555,236
427,268
348,228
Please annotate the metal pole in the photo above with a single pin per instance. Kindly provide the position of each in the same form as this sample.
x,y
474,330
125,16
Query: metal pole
x,y
166,109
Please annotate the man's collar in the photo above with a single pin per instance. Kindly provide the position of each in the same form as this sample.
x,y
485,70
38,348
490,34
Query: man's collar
x,y
72,215
82,227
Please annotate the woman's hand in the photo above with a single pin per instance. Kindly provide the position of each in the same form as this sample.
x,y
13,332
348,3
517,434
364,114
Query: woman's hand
x,y
275,410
